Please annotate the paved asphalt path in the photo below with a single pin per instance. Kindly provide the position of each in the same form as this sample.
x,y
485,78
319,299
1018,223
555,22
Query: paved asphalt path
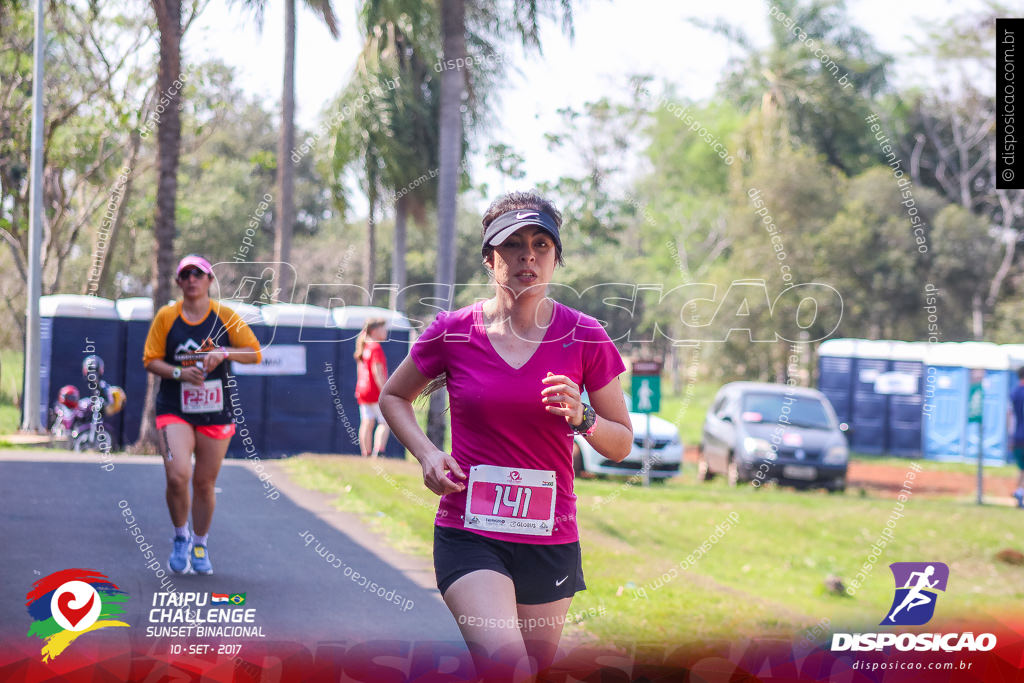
x,y
59,515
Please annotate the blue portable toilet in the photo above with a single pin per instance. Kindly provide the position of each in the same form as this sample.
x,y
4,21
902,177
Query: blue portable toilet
x,y
250,390
944,407
136,315
902,383
995,362
71,327
349,321
300,413
870,414
835,374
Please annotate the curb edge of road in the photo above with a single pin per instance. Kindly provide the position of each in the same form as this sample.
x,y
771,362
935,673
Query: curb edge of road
x,y
417,569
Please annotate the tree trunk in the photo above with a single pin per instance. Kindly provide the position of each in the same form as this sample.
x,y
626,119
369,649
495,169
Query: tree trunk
x,y
398,276
1011,209
977,317
168,14
453,37
369,255
102,284
285,217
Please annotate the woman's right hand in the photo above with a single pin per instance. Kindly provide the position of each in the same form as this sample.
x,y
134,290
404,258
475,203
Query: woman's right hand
x,y
193,375
435,466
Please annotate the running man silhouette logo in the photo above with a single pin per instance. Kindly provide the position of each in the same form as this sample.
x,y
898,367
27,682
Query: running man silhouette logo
x,y
644,394
258,289
71,603
917,586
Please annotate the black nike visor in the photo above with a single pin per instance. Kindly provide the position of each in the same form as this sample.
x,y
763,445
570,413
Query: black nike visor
x,y
510,221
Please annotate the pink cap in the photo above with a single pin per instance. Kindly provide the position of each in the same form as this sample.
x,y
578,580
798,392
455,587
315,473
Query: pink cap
x,y
197,261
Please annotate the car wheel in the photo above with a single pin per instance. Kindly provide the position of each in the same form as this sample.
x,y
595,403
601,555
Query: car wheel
x,y
704,472
838,488
733,473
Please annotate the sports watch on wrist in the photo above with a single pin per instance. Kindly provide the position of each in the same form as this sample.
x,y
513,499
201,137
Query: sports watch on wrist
x,y
176,373
589,419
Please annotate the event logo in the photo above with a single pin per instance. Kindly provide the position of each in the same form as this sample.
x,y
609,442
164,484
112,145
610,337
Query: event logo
x,y
916,586
69,603
913,604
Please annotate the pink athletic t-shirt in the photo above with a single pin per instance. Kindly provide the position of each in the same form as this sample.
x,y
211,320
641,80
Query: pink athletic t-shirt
x,y
496,411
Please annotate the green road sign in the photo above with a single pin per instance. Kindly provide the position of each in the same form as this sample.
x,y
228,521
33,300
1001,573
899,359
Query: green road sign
x,y
645,391
975,402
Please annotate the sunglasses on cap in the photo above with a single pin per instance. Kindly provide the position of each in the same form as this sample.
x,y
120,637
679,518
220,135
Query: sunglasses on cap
x,y
189,273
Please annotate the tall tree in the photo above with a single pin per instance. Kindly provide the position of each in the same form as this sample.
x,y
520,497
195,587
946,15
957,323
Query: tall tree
x,y
949,138
521,19
96,81
817,76
389,140
404,41
169,85
285,213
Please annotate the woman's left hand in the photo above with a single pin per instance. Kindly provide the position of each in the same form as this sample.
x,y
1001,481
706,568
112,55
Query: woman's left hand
x,y
562,397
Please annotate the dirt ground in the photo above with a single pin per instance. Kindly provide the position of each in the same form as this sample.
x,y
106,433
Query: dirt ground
x,y
887,480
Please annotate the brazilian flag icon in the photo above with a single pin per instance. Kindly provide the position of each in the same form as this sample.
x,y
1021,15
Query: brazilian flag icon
x,y
237,598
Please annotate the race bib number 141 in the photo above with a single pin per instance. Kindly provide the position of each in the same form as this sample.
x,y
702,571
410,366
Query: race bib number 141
x,y
511,500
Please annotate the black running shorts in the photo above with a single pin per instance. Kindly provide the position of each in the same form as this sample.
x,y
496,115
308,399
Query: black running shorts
x,y
540,573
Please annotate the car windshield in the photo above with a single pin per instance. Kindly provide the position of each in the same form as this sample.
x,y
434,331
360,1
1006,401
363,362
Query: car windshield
x,y
801,411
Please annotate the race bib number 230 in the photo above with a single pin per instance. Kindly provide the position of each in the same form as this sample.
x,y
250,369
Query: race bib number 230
x,y
511,500
208,398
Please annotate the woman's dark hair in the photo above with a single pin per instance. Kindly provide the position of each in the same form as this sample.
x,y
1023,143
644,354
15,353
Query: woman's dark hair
x,y
515,201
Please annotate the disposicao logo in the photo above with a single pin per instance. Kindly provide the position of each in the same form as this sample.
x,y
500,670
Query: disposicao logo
x,y
916,586
913,604
69,603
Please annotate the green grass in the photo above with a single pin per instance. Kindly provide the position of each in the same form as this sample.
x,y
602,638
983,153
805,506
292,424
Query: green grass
x,y
11,371
10,418
12,363
764,577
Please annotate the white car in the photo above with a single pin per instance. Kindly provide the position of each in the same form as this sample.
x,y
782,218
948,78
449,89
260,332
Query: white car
x,y
666,450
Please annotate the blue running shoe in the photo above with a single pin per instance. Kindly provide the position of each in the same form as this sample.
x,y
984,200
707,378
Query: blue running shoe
x,y
1020,498
178,562
201,560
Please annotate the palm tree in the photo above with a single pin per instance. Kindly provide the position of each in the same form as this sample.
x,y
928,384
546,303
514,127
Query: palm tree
x,y
485,19
359,146
285,171
169,83
284,215
390,140
799,98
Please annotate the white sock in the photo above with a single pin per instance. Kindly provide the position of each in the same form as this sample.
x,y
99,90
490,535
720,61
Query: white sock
x,y
182,531
200,540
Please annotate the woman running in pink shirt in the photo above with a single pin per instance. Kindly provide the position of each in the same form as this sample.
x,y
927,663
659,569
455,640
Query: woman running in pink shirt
x,y
506,547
